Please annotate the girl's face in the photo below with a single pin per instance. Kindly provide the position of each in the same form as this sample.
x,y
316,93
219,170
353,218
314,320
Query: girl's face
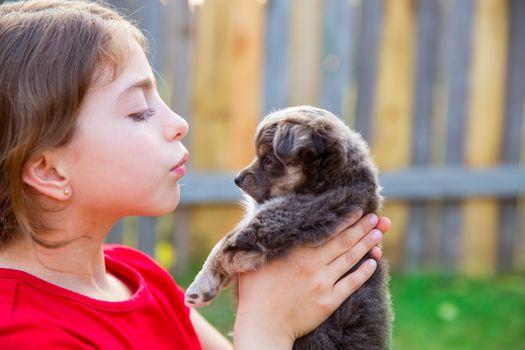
x,y
127,155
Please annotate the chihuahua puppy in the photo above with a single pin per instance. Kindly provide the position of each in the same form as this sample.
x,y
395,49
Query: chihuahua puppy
x,y
310,172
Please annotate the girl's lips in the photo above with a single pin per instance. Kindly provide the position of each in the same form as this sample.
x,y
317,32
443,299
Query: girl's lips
x,y
180,169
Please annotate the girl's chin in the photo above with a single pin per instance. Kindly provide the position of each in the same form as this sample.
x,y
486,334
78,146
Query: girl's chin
x,y
162,209
175,202
169,208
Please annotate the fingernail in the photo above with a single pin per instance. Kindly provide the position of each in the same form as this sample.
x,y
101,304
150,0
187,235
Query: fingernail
x,y
376,234
372,263
374,219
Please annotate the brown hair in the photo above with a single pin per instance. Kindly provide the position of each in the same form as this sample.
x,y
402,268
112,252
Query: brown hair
x,y
51,51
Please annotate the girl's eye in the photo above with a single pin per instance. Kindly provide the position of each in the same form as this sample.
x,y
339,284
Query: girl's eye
x,y
142,116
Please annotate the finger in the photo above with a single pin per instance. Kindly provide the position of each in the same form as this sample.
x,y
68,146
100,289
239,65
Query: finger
x,y
383,224
351,257
345,240
349,284
376,253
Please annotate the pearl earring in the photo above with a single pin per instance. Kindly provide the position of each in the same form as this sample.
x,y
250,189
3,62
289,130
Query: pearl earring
x,y
66,192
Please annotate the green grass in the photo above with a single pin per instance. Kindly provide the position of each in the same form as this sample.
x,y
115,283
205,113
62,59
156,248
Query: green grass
x,y
438,312
447,312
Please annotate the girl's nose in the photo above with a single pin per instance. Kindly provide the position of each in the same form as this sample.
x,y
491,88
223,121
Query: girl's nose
x,y
176,128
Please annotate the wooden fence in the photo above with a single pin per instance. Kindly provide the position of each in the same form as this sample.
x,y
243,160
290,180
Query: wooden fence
x,y
437,87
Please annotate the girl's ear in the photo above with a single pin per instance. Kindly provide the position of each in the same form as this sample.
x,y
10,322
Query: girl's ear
x,y
50,180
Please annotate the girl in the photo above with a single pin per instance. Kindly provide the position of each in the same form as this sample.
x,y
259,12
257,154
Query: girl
x,y
86,140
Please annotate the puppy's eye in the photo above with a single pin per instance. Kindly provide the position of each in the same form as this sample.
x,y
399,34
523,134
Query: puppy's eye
x,y
267,162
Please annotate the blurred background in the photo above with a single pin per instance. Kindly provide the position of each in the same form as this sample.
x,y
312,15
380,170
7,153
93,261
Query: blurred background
x,y
436,87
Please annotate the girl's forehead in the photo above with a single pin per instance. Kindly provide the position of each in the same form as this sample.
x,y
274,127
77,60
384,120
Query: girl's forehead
x,y
132,67
113,90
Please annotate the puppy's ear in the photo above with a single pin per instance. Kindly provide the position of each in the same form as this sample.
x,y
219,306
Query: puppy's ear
x,y
294,143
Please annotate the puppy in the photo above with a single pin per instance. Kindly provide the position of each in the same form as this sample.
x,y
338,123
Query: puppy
x,y
310,173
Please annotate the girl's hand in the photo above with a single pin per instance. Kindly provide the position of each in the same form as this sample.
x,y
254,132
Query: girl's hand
x,y
290,297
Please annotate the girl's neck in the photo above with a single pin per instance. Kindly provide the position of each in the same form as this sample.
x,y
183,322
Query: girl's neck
x,y
78,266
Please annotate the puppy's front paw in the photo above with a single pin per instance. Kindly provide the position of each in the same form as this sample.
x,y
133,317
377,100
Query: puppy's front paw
x,y
202,290
197,298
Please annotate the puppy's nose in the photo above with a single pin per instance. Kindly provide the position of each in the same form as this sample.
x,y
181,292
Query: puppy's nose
x,y
238,179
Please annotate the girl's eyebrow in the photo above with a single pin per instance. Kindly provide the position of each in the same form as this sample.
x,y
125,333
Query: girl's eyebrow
x,y
143,84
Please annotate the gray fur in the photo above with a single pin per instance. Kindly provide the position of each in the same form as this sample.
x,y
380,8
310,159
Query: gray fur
x,y
310,173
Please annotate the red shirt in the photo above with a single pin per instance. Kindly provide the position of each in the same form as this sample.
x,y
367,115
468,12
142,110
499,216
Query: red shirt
x,y
35,314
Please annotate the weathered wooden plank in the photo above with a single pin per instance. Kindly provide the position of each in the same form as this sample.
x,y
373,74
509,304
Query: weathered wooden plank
x,y
518,261
515,91
305,52
519,247
415,236
244,103
367,64
508,234
349,96
441,82
180,239
433,242
426,62
209,187
165,250
226,82
407,184
485,126
484,132
454,182
450,243
147,234
392,120
513,126
337,56
115,234
180,21
459,57
152,27
130,231
211,85
459,50
276,54
391,138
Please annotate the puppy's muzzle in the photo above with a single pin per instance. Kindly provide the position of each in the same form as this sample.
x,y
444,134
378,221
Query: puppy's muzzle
x,y
240,178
